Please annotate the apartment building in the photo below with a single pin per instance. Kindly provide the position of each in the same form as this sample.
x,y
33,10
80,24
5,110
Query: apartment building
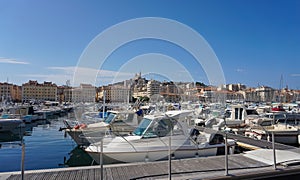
x,y
153,87
120,94
34,91
10,92
84,93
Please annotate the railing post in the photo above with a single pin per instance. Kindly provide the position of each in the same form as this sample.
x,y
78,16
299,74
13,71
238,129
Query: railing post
x,y
101,159
23,159
274,152
170,156
226,155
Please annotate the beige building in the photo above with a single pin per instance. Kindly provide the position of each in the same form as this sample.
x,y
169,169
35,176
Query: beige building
x,y
265,93
84,93
115,94
16,93
169,91
33,91
68,94
10,92
153,87
120,94
138,94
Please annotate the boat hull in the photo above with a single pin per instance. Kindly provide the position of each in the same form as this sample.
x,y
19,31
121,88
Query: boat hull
x,y
149,156
283,137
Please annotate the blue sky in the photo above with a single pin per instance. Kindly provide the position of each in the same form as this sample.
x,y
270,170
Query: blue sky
x,y
255,41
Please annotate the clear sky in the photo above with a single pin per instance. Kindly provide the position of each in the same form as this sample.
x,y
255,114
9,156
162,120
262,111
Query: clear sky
x,y
256,42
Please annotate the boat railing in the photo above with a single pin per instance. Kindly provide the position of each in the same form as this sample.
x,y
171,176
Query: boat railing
x,y
128,142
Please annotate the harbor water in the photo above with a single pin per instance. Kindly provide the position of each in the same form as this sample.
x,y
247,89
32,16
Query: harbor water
x,y
45,147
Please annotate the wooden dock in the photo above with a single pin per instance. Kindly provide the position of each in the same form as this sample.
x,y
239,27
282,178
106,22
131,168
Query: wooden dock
x,y
239,166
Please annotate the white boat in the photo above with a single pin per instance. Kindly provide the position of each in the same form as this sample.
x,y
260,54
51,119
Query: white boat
x,y
117,122
150,141
10,124
236,116
286,130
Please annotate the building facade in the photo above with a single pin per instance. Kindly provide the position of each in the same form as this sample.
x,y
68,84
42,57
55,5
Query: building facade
x,y
120,94
153,87
84,93
34,91
10,92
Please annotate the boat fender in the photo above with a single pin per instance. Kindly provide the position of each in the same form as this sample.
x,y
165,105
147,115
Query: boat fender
x,y
81,126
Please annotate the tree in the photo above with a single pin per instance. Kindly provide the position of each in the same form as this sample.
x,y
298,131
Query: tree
x,y
200,84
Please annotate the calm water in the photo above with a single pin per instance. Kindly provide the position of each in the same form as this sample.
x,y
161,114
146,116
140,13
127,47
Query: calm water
x,y
47,147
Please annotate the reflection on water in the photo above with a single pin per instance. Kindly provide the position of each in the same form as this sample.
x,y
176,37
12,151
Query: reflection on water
x,y
78,157
45,146
18,133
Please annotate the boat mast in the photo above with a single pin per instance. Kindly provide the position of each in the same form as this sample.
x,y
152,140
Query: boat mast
x,y
280,88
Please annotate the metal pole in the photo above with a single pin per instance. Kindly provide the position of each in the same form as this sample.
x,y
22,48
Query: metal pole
x,y
104,94
101,159
23,158
170,157
274,153
226,155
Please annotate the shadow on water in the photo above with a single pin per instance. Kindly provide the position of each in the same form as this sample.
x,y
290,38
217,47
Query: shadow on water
x,y
78,157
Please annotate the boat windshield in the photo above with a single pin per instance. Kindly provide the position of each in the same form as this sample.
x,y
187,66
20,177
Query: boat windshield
x,y
110,117
160,128
142,127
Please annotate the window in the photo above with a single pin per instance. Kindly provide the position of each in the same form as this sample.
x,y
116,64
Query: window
x,y
142,127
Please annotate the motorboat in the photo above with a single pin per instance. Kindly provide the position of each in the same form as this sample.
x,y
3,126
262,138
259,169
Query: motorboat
x,y
156,136
10,123
236,116
277,107
286,129
117,122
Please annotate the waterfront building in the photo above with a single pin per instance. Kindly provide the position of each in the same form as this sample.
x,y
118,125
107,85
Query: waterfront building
x,y
250,95
207,94
84,93
235,87
120,94
265,94
137,94
34,91
67,93
153,87
115,93
64,93
10,92
107,94
169,91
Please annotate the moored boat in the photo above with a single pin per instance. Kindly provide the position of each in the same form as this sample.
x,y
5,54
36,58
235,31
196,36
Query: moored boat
x,y
155,136
117,122
286,129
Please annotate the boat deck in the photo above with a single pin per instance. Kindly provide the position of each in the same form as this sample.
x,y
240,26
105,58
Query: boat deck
x,y
239,166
